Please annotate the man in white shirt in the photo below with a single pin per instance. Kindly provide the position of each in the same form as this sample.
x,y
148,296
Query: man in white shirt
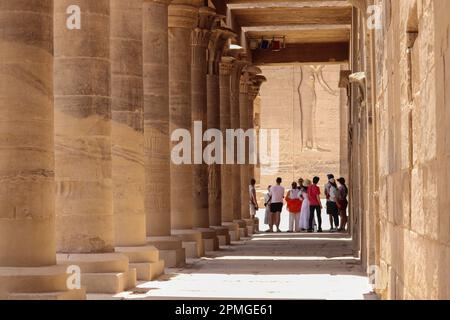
x,y
276,197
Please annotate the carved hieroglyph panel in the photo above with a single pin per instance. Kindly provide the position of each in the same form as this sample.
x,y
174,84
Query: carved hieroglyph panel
x,y
305,103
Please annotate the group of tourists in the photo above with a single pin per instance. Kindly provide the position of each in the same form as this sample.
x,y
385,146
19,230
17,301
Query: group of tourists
x,y
303,202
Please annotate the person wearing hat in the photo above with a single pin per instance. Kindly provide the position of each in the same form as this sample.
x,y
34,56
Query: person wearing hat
x,y
342,203
300,183
331,190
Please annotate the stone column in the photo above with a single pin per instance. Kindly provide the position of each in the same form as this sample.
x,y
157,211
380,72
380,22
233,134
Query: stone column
x,y
216,47
183,17
244,102
84,213
27,212
226,66
127,139
200,40
253,91
236,189
156,133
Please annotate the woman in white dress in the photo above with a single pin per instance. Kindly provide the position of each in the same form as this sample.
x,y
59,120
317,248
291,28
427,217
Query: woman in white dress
x,y
305,212
267,199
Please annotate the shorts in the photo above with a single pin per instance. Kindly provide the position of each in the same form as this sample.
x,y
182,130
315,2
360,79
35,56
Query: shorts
x,y
252,209
343,206
276,207
332,208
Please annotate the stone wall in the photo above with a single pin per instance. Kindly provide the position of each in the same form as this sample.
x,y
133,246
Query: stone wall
x,y
407,234
306,105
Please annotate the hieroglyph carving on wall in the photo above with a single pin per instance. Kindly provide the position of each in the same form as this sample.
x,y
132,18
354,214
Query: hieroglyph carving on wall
x,y
310,78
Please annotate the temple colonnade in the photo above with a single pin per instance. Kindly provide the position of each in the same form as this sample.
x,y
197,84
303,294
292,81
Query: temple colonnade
x,y
88,183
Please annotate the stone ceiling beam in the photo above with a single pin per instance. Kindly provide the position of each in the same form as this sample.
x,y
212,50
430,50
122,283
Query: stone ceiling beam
x,y
288,5
299,27
304,53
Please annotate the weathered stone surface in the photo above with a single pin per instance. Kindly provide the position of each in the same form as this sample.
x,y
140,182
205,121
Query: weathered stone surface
x,y
411,171
309,145
27,211
182,19
199,68
127,136
84,221
225,123
156,117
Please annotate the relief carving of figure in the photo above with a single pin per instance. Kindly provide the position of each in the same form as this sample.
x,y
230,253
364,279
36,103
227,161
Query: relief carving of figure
x,y
310,77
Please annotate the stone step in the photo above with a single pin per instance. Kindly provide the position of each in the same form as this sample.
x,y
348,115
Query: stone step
x,y
75,294
173,258
140,253
189,236
110,282
32,280
223,235
191,249
95,262
147,271
233,228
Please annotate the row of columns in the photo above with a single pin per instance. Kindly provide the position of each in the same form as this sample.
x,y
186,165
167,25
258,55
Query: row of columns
x,y
101,189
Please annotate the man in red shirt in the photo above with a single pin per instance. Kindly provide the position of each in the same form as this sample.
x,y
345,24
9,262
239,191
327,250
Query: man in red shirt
x,y
315,205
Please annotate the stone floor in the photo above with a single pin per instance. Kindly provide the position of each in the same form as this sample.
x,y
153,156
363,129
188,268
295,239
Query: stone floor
x,y
267,266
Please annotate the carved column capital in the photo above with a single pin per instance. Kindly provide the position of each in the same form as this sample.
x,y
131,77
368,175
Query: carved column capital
x,y
255,86
200,37
183,16
359,79
226,65
244,83
206,18
217,46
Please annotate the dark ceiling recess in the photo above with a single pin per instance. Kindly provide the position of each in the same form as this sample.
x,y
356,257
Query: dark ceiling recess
x,y
221,6
305,53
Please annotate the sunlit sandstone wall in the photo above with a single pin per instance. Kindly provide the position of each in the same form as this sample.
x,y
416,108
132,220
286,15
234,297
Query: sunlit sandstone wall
x,y
412,99
415,151
305,104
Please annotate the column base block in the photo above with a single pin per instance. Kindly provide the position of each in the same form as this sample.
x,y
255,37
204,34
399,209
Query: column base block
x,y
243,232
170,250
188,236
190,247
34,283
233,230
111,283
210,240
148,271
250,226
256,224
223,240
102,272
222,233
175,258
145,259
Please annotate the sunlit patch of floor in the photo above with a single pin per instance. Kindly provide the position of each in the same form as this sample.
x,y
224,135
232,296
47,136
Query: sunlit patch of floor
x,y
268,266
281,266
